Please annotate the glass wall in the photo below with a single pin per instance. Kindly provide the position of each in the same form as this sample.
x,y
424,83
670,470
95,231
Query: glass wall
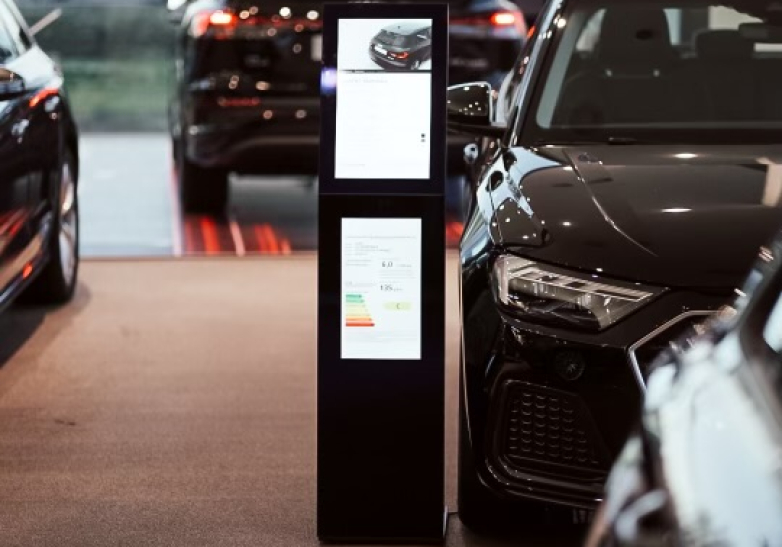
x,y
116,59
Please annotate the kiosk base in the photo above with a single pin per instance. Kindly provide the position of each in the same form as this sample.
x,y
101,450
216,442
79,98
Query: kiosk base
x,y
386,540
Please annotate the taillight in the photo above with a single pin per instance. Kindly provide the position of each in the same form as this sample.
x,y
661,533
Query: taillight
x,y
43,94
206,19
500,21
509,19
503,19
402,55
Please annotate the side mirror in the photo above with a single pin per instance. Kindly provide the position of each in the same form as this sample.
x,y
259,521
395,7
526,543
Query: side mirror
x,y
470,110
11,85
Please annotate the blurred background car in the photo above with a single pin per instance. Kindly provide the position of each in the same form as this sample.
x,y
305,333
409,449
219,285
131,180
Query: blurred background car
x,y
619,201
246,95
39,212
703,465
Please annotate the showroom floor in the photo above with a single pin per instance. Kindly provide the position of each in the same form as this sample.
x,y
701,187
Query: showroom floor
x,y
171,404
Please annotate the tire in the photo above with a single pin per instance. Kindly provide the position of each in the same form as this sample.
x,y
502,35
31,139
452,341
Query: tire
x,y
56,283
415,64
201,190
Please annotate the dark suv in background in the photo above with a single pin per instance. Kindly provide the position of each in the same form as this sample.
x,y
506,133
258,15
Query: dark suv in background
x,y
402,45
246,94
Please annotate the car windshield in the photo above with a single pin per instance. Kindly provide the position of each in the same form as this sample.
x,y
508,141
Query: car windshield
x,y
391,38
661,70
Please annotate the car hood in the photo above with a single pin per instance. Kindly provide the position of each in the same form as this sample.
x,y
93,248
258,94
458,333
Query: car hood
x,y
672,216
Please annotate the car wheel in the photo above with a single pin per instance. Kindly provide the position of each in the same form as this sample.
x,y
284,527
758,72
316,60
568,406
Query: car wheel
x,y
57,281
201,190
415,64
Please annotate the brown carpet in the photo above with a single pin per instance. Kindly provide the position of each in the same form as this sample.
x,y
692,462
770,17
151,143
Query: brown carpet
x,y
173,403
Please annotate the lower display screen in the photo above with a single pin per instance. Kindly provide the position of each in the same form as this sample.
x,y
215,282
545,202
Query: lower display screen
x,y
381,288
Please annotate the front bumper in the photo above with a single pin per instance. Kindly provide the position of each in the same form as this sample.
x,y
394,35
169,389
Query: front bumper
x,y
548,410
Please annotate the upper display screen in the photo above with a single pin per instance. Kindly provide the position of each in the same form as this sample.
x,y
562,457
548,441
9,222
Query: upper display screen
x,y
384,90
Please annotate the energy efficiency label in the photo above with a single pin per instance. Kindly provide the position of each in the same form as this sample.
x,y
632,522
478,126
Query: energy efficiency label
x,y
381,288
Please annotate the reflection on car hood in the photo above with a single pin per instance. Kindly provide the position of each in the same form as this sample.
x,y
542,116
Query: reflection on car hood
x,y
674,216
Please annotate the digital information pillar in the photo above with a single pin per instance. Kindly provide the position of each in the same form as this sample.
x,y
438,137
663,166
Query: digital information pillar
x,y
381,273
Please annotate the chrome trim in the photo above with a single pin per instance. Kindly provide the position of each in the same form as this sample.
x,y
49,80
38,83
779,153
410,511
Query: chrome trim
x,y
659,330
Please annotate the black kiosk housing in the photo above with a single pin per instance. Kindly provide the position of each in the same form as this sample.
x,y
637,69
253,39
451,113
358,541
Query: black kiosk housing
x,y
381,359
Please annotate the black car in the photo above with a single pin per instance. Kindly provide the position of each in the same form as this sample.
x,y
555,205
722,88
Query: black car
x,y
246,95
703,468
404,45
629,170
39,214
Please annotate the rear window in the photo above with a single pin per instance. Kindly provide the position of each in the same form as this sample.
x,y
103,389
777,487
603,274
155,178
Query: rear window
x,y
392,39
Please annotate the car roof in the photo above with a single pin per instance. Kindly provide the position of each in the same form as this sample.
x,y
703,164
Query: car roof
x,y
406,27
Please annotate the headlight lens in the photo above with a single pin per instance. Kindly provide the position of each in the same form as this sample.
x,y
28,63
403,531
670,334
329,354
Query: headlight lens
x,y
545,294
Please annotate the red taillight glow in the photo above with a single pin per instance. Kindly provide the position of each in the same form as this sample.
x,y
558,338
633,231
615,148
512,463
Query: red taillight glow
x,y
499,20
202,21
503,19
222,19
43,94
402,55
28,269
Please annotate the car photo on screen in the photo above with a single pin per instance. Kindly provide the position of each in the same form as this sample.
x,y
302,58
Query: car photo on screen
x,y
405,45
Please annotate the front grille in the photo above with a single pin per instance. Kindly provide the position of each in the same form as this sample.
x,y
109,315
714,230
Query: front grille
x,y
675,334
548,432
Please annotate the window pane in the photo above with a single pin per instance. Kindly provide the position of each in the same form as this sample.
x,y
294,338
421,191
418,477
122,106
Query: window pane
x,y
662,65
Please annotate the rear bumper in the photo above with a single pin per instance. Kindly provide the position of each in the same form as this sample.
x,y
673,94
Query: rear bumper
x,y
384,61
253,151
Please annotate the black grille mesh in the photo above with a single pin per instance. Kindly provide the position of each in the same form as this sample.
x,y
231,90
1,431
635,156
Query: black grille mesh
x,y
550,432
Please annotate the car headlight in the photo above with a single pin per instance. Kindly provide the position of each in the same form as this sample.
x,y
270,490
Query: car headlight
x,y
546,294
